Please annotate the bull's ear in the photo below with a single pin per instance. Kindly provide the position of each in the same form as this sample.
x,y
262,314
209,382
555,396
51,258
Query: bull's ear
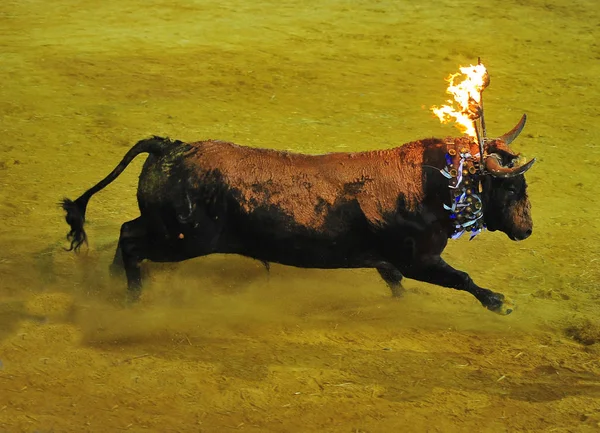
x,y
511,135
493,164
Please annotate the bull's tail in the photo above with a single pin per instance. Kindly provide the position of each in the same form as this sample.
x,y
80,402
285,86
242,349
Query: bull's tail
x,y
76,209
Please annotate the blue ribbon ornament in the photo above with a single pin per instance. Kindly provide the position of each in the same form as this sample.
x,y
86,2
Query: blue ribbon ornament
x,y
466,206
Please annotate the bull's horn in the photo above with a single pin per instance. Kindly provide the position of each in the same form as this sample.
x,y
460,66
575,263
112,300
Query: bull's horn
x,y
493,165
510,136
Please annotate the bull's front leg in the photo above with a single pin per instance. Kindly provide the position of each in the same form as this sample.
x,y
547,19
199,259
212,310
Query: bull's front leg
x,y
393,278
435,270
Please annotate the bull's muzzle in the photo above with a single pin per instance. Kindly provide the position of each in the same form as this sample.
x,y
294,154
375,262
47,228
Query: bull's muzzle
x,y
522,235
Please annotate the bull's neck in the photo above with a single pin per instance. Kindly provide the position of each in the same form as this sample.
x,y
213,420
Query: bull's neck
x,y
464,204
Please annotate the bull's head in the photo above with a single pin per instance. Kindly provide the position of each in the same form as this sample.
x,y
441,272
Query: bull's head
x,y
505,202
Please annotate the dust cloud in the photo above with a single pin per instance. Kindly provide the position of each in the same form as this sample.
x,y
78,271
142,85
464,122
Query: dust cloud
x,y
219,344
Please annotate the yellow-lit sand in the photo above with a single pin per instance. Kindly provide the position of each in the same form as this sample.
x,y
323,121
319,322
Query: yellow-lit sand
x,y
217,345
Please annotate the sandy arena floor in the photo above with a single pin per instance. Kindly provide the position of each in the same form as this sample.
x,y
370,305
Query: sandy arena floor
x,y
217,345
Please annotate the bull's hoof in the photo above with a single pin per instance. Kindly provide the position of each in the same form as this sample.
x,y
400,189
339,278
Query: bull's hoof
x,y
499,304
398,291
133,296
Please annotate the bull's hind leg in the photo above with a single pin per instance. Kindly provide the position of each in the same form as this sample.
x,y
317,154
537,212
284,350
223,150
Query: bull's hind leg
x,y
393,278
133,246
117,267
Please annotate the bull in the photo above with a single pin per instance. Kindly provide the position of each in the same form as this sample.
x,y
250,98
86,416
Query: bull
x,y
386,209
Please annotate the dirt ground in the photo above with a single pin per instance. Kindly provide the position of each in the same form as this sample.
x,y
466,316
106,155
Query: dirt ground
x,y
216,344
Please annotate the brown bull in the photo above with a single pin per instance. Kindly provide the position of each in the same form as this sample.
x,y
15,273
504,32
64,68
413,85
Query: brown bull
x,y
393,210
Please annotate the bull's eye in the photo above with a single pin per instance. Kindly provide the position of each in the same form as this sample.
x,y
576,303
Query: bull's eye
x,y
511,190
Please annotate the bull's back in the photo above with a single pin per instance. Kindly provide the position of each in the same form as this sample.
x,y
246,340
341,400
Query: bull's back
x,y
276,206
309,188
278,189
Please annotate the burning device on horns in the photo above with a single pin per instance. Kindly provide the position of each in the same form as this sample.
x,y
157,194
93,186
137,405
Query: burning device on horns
x,y
468,95
463,169
469,116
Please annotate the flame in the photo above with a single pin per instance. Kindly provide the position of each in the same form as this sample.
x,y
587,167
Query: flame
x,y
467,98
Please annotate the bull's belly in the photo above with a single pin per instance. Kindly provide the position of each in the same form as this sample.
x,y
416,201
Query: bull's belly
x,y
308,253
347,243
352,250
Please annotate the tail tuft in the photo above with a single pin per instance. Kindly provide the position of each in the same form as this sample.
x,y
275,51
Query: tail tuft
x,y
75,218
76,209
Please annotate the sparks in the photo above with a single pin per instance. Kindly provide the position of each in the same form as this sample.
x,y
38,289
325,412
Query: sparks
x,y
466,106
